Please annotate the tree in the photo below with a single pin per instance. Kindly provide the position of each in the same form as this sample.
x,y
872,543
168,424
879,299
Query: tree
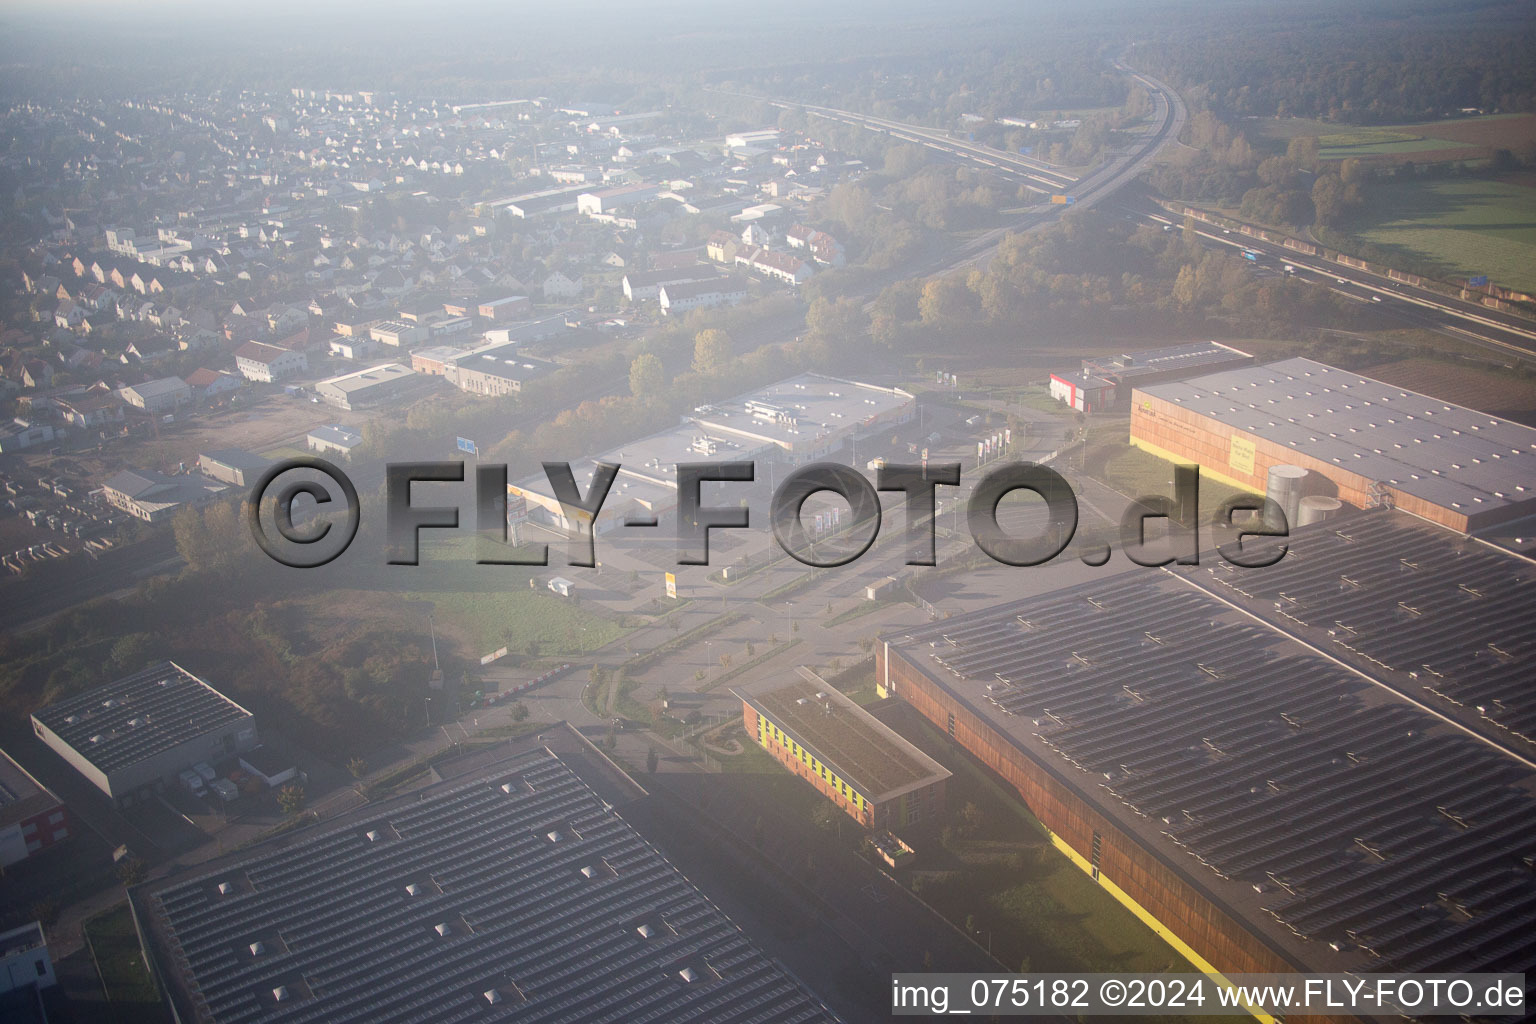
x,y
1303,151
971,816
945,300
652,760
357,767
291,799
836,323
712,350
132,871
519,712
647,377
1184,287
132,652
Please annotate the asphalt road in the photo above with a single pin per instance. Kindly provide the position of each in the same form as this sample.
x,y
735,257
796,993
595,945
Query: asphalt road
x,y
1505,333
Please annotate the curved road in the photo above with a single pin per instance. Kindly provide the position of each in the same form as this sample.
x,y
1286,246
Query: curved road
x,y
1505,333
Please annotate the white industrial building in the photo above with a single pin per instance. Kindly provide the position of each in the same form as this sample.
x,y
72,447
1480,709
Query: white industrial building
x,y
130,737
362,388
793,422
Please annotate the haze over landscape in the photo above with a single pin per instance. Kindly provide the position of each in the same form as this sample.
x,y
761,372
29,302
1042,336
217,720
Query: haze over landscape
x,y
1111,427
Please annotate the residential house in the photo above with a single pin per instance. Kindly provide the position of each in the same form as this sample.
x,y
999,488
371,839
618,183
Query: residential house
x,y
265,364
781,266
208,384
679,297
558,286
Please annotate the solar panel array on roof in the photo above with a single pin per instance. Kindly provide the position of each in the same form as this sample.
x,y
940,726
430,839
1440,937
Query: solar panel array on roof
x,y
1441,617
1368,822
134,718
1448,455
517,896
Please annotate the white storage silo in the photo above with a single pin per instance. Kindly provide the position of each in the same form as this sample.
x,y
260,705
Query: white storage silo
x,y
1315,508
1286,486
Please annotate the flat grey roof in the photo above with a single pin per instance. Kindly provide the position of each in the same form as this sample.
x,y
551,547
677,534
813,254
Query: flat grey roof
x,y
504,360
814,407
860,748
1448,455
1131,365
361,380
518,894
136,717
336,434
1308,802
236,458
838,408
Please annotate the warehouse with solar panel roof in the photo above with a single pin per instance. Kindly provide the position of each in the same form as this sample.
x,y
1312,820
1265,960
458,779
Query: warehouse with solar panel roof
x,y
1323,765
517,894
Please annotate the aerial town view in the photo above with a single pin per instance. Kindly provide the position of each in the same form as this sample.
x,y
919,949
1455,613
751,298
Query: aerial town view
x,y
679,512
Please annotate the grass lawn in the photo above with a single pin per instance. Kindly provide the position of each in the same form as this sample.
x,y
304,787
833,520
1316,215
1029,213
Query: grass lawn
x,y
1388,146
515,618
1137,474
1466,227
1471,135
121,962
1008,880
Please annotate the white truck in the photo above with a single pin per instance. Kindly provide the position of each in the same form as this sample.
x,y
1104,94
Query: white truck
x,y
192,782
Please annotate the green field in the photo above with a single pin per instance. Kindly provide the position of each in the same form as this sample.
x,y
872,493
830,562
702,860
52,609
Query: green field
x,y
1464,227
129,988
1388,145
1469,135
556,625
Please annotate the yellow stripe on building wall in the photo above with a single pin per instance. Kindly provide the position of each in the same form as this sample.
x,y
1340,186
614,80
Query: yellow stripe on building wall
x,y
1145,917
1182,460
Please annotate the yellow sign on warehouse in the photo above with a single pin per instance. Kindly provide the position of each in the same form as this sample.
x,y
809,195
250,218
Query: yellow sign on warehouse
x,y
1241,456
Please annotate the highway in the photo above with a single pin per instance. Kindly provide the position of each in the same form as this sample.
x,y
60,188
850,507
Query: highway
x,y
1503,333
1124,166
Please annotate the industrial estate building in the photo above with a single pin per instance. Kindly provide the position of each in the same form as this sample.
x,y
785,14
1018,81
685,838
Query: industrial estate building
x,y
31,818
518,895
1269,789
496,369
333,439
132,736
791,423
1104,383
154,497
859,763
363,388
1362,441
233,466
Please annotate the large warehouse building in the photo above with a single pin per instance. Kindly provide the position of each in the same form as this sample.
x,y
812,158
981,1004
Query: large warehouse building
x,y
131,736
1369,442
517,895
791,423
850,757
1247,778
